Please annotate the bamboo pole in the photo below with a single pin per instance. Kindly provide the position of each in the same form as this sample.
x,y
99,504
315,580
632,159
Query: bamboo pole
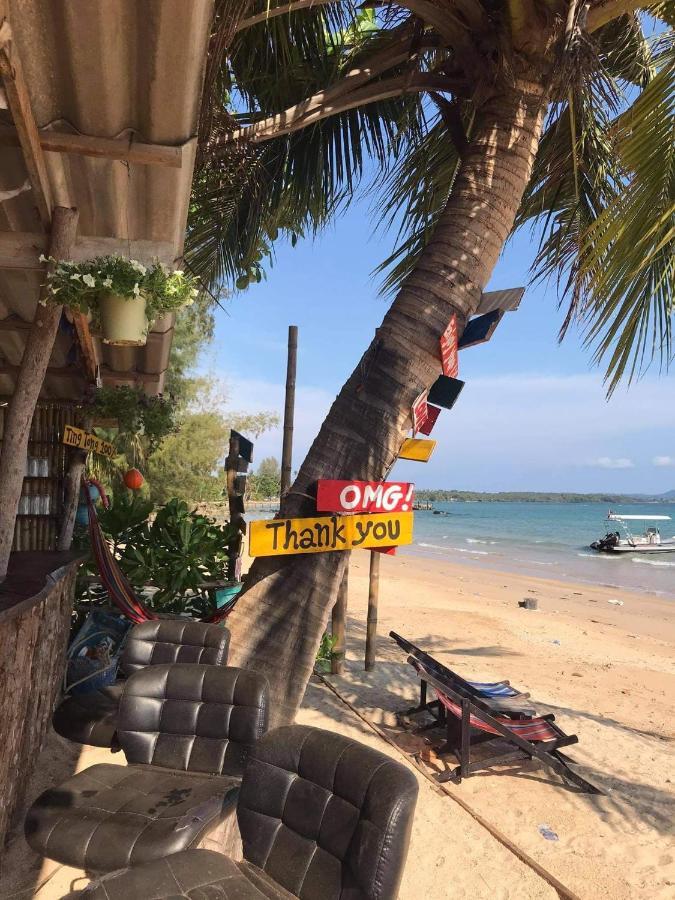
x,y
289,410
371,621
73,480
29,381
339,626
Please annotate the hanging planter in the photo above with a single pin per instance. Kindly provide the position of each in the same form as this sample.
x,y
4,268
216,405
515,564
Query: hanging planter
x,y
122,296
124,322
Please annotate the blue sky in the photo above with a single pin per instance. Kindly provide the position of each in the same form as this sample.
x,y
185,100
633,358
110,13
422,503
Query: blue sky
x,y
532,416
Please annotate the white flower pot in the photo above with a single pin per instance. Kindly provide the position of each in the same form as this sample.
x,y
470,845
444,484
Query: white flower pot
x,y
123,320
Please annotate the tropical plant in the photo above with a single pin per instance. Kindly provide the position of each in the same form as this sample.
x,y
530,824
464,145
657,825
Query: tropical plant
x,y
475,117
80,285
137,413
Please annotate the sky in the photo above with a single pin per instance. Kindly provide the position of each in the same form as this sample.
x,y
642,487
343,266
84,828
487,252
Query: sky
x,y
533,415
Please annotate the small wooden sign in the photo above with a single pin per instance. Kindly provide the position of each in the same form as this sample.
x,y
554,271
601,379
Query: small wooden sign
x,y
364,496
417,449
245,446
480,329
445,391
278,537
424,415
75,437
449,354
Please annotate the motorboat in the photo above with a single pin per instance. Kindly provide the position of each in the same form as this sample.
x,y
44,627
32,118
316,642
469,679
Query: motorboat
x,y
624,541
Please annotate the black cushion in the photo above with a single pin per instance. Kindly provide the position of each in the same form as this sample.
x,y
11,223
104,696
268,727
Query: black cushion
x,y
91,718
192,717
326,817
187,731
109,817
163,641
196,874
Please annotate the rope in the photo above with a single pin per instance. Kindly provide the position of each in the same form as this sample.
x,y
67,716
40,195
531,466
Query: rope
x,y
563,892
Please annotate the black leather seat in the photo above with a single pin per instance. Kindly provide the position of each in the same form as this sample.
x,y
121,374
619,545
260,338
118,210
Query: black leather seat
x,y
186,731
91,718
321,816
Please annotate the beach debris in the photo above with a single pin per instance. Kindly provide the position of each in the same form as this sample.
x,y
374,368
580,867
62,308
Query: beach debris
x,y
577,675
615,602
556,641
528,603
548,833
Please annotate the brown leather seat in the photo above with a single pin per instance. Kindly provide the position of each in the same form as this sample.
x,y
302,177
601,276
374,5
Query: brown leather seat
x,y
321,816
186,730
91,718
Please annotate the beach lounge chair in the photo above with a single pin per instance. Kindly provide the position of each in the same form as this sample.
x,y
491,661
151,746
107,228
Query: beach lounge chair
x,y
91,718
186,731
320,816
497,696
510,739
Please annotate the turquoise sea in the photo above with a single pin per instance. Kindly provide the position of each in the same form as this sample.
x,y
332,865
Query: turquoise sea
x,y
546,539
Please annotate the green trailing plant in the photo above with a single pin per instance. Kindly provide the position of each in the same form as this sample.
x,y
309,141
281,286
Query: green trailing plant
x,y
154,417
80,285
325,653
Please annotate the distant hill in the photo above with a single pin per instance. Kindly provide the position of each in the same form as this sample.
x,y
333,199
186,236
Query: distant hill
x,y
542,497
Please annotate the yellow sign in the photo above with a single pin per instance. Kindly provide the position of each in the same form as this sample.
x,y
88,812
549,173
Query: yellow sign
x,y
274,537
75,437
417,449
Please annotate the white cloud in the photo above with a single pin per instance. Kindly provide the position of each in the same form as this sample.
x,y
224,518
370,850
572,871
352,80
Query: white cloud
x,y
606,462
664,461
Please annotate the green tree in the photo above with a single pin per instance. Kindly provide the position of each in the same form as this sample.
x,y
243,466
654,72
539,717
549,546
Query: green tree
x,y
266,482
477,116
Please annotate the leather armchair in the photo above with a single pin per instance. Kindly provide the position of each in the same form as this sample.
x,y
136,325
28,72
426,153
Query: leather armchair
x,y
91,718
186,731
321,816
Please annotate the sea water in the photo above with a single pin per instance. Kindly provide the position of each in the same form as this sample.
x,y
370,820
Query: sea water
x,y
546,539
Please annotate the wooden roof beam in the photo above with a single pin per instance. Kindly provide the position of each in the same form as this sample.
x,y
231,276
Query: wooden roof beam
x,y
21,249
123,149
18,101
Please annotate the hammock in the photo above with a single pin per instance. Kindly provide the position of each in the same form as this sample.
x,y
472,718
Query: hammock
x,y
117,584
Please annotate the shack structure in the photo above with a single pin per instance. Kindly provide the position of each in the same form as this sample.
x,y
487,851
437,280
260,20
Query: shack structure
x,y
99,111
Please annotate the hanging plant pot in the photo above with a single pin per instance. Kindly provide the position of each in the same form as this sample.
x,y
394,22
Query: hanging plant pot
x,y
123,320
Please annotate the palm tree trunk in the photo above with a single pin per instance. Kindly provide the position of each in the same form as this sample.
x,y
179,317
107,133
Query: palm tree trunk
x,y
277,624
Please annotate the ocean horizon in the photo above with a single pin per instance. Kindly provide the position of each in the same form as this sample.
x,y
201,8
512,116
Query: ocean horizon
x,y
545,539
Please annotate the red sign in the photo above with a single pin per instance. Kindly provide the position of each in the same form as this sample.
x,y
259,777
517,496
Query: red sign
x,y
364,496
449,353
423,415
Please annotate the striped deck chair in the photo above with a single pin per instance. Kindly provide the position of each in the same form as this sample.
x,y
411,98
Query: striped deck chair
x,y
499,696
468,724
115,582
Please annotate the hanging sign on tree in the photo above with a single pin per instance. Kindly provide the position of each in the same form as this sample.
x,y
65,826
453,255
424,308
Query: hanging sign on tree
x,y
424,415
417,449
75,437
279,537
449,352
364,496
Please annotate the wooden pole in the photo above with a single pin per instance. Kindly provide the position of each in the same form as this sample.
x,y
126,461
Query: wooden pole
x,y
29,380
236,508
371,621
289,409
78,460
339,626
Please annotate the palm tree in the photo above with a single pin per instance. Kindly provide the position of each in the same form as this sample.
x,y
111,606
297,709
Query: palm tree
x,y
477,116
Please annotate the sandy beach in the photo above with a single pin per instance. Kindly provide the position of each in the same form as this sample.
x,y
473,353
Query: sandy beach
x,y
605,669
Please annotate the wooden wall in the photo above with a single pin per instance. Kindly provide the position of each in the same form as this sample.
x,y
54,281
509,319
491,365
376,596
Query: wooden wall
x,y
33,638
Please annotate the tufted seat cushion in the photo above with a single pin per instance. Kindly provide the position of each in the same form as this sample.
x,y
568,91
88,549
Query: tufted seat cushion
x,y
113,816
186,731
91,718
195,874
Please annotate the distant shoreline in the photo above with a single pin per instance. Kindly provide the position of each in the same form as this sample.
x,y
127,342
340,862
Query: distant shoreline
x,y
538,497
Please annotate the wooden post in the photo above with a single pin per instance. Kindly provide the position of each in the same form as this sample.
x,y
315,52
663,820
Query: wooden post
x,y
371,621
236,507
289,409
37,351
78,460
339,625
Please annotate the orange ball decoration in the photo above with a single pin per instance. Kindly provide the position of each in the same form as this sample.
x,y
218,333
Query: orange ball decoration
x,y
133,479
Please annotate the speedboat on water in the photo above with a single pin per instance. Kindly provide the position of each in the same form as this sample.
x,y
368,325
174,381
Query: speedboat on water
x,y
623,541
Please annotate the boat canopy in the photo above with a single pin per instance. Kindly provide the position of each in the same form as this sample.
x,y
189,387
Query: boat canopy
x,y
617,517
